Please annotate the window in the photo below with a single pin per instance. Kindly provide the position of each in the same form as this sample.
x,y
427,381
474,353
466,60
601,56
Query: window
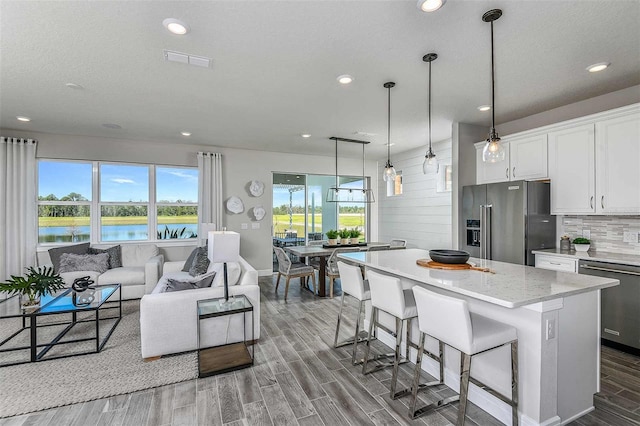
x,y
94,201
176,202
394,187
64,204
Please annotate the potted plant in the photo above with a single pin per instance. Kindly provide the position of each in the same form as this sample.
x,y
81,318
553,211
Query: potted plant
x,y
34,285
581,244
355,236
345,235
332,236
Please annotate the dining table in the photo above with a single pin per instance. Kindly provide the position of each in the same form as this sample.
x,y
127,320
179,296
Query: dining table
x,y
323,253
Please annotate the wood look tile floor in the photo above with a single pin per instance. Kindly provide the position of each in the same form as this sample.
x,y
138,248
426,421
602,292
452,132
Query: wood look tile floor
x,y
300,379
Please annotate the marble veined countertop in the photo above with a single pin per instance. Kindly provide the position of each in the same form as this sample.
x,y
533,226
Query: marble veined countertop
x,y
602,256
511,286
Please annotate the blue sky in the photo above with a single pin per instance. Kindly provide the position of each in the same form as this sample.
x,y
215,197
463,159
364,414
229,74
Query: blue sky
x,y
118,182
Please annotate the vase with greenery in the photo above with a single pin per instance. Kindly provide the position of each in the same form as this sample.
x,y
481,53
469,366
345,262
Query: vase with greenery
x,y
332,236
581,244
345,236
34,285
355,236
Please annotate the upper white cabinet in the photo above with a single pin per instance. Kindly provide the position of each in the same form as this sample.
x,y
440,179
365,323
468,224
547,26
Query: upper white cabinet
x,y
594,167
528,158
525,159
618,165
571,169
492,172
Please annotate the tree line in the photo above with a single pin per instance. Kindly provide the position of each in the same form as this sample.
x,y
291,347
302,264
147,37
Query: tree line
x,y
66,210
284,209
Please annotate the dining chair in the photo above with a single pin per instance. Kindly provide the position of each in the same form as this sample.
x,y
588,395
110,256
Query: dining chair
x,y
292,270
333,271
397,243
378,248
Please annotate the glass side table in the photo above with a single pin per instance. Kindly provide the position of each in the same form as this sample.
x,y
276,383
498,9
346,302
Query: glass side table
x,y
230,356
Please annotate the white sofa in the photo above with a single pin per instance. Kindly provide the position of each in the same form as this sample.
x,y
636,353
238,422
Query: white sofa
x,y
169,321
141,268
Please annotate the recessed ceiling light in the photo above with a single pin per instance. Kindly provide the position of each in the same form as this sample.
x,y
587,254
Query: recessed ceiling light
x,y
185,133
23,118
74,86
112,126
598,67
305,135
484,108
345,79
176,26
430,5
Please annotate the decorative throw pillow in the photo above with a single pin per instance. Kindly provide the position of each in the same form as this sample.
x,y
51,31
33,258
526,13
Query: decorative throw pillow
x,y
200,262
70,262
115,255
178,285
233,274
56,253
189,261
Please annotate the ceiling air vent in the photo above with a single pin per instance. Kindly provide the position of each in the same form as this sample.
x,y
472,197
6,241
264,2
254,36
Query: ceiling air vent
x,y
185,58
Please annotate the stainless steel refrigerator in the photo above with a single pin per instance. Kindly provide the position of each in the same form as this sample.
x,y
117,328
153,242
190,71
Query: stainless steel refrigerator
x,y
506,221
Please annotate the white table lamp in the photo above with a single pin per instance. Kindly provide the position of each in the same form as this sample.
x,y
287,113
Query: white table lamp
x,y
224,246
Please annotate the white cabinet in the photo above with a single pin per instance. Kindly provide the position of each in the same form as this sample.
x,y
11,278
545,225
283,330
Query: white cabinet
x,y
492,172
618,165
528,158
594,168
571,169
556,263
525,159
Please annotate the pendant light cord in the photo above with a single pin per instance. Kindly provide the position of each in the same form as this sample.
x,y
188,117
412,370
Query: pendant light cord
x,y
430,108
389,127
336,164
493,87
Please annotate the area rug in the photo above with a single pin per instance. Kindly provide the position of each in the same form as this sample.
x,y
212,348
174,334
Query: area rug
x,y
118,369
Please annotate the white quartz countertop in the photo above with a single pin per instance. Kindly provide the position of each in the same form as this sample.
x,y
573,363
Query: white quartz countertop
x,y
511,286
602,256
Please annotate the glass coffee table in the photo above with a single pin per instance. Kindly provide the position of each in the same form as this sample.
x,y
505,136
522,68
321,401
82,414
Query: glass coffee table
x,y
82,307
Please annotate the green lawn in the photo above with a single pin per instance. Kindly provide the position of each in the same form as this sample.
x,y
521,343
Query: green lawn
x,y
128,220
281,222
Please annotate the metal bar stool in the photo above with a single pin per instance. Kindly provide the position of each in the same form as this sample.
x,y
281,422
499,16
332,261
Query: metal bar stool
x,y
448,319
388,296
355,286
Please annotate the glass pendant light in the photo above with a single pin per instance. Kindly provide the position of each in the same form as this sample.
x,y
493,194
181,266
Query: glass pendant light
x,y
493,151
389,173
430,163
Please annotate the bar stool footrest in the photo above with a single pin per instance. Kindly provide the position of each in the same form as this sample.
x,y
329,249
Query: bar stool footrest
x,y
427,408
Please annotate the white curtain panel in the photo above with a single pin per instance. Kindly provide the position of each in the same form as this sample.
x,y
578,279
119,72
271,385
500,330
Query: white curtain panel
x,y
210,188
18,208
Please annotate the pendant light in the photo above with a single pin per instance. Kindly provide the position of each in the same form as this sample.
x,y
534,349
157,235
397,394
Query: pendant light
x,y
338,194
430,163
389,173
493,151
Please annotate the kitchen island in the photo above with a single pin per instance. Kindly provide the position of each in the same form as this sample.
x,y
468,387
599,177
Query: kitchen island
x,y
556,315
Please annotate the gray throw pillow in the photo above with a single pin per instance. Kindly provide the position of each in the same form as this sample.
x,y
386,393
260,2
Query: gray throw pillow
x,y
115,255
56,253
177,285
200,262
189,261
70,262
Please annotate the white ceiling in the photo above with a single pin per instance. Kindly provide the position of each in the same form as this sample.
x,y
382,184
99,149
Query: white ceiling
x,y
275,64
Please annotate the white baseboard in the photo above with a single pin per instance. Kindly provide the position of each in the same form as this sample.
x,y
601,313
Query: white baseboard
x,y
569,420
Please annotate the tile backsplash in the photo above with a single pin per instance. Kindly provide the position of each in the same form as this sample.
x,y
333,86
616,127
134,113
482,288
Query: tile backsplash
x,y
606,231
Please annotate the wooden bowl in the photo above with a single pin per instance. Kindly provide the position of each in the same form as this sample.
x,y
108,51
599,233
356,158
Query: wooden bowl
x,y
449,256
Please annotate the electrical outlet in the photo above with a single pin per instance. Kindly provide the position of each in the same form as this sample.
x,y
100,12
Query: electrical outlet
x,y
551,329
630,237
255,225
244,226
586,233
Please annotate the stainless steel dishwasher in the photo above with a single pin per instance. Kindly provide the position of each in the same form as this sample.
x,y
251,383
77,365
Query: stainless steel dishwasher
x,y
620,305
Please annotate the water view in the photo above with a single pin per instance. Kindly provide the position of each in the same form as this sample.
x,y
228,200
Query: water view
x,y
66,234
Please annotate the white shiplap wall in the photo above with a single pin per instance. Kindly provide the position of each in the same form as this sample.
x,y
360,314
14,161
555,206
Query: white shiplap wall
x,y
420,215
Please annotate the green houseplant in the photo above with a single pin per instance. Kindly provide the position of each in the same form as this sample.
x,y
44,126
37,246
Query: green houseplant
x,y
34,285
345,235
355,235
581,244
332,236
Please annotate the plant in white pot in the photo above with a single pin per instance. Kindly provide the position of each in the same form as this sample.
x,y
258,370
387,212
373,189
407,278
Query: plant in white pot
x,y
332,237
345,236
34,285
581,244
355,236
